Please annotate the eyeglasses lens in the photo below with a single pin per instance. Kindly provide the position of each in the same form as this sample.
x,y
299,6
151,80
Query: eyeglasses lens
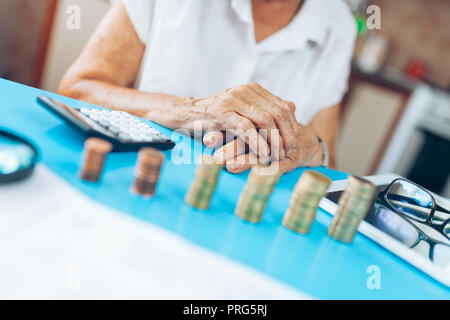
x,y
410,200
396,226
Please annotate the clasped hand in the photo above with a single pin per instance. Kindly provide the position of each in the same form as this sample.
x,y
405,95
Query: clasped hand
x,y
249,125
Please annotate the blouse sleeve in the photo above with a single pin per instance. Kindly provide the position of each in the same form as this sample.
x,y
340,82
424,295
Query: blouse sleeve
x,y
141,15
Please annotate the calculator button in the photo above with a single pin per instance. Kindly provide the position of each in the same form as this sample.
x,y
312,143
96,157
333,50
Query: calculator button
x,y
104,118
114,129
124,128
135,128
117,117
85,111
150,130
129,123
148,139
124,136
117,122
137,137
104,123
126,121
108,116
119,113
94,116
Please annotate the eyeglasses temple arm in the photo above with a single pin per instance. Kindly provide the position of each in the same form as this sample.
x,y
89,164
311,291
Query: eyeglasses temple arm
x,y
442,209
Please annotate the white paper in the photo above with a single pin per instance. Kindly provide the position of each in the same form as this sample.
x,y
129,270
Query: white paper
x,y
55,243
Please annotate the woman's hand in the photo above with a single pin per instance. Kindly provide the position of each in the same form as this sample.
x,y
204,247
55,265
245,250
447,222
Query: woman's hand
x,y
101,76
263,121
307,151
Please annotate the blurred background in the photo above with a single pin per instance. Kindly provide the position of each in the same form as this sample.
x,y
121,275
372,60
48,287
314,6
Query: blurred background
x,y
395,116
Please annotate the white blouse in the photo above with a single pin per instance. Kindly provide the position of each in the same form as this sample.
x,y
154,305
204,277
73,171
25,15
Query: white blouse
x,y
200,47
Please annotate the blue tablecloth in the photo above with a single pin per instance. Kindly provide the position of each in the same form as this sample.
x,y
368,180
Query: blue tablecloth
x,y
313,263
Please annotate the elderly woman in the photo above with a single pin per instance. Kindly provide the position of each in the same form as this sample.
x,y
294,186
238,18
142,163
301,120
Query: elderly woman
x,y
271,72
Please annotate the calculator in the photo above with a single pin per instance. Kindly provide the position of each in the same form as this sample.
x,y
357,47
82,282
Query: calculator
x,y
124,131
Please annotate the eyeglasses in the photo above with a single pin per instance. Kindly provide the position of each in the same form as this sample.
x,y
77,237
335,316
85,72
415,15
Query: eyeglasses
x,y
405,231
409,213
416,203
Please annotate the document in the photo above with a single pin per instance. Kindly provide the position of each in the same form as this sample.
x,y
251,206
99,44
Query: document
x,y
56,243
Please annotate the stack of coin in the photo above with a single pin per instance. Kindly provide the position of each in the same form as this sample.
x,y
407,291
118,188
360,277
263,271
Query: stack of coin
x,y
308,192
95,151
260,184
353,206
147,171
204,184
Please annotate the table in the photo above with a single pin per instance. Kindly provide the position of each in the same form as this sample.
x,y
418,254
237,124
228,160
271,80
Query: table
x,y
313,264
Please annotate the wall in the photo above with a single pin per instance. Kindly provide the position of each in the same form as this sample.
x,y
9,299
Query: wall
x,y
419,29
21,24
65,44
368,118
6,21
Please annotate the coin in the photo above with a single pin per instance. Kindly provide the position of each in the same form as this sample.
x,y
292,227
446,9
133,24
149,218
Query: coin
x,y
147,171
305,199
204,184
95,151
353,206
260,184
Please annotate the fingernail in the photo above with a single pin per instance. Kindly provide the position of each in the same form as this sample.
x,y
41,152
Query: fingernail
x,y
208,140
265,153
219,156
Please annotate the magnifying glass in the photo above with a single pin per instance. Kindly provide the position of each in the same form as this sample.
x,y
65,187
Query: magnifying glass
x,y
17,157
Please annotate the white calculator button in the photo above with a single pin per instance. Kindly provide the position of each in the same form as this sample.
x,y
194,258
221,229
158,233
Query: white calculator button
x,y
136,137
141,138
94,116
135,126
134,132
85,111
124,136
116,122
150,130
103,123
128,122
119,113
114,129
150,138
142,128
124,128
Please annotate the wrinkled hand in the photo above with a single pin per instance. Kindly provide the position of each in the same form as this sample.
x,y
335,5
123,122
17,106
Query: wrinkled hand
x,y
261,120
305,152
